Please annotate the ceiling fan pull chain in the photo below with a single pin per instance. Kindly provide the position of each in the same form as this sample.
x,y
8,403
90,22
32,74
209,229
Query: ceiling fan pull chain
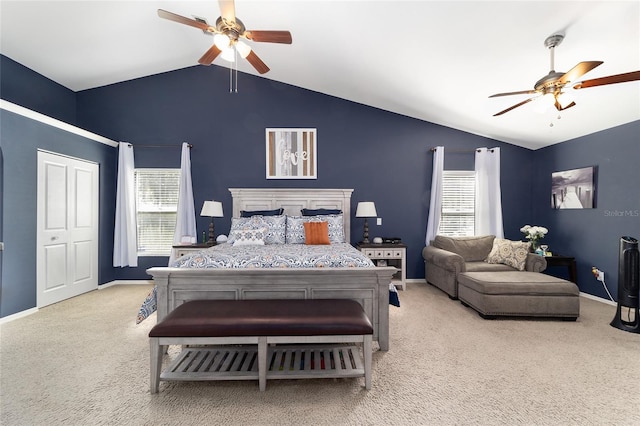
x,y
235,66
233,73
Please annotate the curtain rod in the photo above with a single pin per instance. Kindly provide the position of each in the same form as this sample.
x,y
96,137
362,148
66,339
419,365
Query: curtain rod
x,y
460,151
160,146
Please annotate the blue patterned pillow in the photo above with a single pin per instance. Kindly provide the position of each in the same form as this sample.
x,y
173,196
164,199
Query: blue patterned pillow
x,y
276,229
295,228
276,226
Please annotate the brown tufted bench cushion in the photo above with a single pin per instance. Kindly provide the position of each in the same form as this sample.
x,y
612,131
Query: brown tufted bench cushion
x,y
263,322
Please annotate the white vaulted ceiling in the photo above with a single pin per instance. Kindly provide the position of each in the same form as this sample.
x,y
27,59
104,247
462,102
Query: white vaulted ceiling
x,y
436,61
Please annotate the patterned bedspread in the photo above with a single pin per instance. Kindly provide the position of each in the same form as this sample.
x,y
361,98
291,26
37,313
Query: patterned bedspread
x,y
337,255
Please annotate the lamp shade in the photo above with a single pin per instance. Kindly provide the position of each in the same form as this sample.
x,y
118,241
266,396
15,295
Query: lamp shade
x,y
212,209
221,41
243,49
366,209
228,54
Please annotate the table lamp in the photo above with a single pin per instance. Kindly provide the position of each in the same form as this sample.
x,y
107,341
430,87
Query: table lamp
x,y
366,209
212,209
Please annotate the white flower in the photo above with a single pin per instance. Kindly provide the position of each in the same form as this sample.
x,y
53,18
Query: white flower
x,y
534,233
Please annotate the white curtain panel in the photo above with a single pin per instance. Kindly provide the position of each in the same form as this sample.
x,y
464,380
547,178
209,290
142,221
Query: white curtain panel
x,y
433,222
186,217
125,245
488,194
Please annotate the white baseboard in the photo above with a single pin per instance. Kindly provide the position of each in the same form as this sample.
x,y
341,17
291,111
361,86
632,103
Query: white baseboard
x,y
18,315
124,282
598,299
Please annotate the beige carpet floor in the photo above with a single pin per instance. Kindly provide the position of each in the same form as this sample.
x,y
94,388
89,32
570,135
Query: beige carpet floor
x,y
85,362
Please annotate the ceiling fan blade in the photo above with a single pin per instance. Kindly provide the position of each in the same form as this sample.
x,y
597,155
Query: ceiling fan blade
x,y
522,92
513,107
182,20
210,55
612,79
560,107
227,10
257,63
269,36
578,71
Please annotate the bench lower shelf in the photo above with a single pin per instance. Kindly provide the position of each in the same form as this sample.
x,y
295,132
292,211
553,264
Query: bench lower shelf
x,y
283,362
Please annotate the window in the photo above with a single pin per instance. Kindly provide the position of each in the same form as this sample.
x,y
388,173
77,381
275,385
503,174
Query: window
x,y
156,210
457,217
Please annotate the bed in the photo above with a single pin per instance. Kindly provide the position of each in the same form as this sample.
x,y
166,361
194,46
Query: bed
x,y
367,284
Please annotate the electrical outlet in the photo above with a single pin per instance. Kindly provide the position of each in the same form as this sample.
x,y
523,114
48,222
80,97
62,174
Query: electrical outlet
x,y
597,273
379,221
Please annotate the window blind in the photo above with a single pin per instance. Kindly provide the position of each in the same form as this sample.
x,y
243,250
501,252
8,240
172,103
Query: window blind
x,y
156,207
458,203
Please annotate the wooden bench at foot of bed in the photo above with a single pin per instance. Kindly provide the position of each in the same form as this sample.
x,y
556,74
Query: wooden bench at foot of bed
x,y
319,328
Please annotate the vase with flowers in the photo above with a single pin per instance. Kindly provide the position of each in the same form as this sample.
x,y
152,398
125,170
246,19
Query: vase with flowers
x,y
534,234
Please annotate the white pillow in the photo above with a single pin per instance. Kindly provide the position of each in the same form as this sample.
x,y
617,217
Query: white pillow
x,y
275,227
249,237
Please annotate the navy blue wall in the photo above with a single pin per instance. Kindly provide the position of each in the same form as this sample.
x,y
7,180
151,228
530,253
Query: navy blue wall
x,y
21,139
383,156
22,86
593,235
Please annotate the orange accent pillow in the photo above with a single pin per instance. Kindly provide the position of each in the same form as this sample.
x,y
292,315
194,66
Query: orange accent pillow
x,y
316,233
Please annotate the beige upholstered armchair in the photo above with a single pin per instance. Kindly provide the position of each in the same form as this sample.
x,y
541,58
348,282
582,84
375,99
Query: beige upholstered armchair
x,y
446,257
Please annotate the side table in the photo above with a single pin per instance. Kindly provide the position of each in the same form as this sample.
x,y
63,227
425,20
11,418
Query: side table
x,y
567,261
182,249
388,255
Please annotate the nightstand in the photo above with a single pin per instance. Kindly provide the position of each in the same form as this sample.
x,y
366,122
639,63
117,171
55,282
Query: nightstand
x,y
182,249
388,255
567,261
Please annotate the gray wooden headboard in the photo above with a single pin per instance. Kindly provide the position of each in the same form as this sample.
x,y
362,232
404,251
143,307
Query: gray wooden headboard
x,y
292,200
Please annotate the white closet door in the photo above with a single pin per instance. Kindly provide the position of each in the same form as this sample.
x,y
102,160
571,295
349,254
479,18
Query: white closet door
x,y
67,247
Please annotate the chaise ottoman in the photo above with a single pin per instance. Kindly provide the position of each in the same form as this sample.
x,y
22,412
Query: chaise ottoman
x,y
519,293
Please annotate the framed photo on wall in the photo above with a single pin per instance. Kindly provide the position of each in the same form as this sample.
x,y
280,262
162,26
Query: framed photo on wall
x,y
574,189
291,154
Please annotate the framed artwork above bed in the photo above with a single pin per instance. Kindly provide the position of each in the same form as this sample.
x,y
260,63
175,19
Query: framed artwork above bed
x,y
291,153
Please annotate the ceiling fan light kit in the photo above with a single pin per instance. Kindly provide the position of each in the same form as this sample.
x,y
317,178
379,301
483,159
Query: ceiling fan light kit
x,y
243,49
228,54
553,88
222,41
